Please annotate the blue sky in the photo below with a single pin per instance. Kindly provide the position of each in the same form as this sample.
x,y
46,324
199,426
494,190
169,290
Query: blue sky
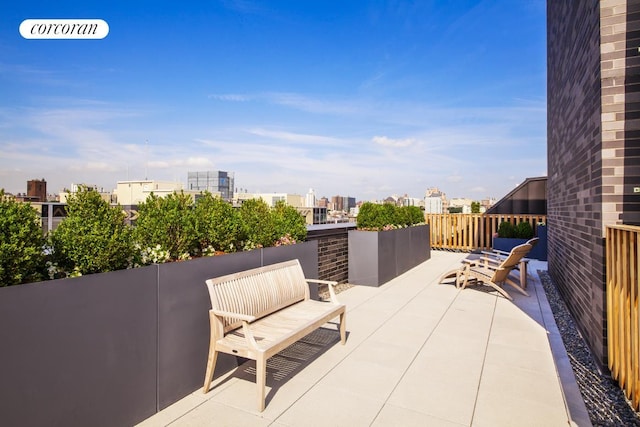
x,y
358,98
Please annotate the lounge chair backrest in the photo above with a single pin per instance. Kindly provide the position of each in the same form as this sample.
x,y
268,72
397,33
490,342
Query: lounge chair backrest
x,y
516,254
533,242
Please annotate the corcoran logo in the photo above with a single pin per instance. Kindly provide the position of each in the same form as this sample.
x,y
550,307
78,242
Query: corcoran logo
x,y
64,29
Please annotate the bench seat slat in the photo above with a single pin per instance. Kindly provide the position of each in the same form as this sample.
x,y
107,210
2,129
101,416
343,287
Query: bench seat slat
x,y
281,326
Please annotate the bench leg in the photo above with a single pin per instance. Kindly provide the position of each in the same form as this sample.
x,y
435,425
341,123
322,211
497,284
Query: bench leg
x,y
211,366
343,328
261,379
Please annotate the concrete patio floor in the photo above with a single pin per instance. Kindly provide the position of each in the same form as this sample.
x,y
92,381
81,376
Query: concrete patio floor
x,y
417,354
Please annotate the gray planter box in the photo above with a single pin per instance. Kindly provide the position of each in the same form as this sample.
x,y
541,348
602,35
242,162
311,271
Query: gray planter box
x,y
114,348
375,257
539,252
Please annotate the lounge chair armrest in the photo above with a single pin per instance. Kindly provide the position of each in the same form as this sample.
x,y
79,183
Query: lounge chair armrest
x,y
244,317
480,261
500,252
493,254
331,283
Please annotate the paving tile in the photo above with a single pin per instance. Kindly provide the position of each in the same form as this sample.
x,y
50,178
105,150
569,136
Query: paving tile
x,y
393,416
508,357
527,384
330,406
445,388
407,330
212,413
501,409
369,379
174,412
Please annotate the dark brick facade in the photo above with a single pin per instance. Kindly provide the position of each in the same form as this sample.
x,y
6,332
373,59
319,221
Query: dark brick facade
x,y
333,252
592,148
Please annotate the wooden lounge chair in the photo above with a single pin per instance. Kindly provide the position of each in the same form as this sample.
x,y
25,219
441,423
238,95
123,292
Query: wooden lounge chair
x,y
498,254
490,272
521,268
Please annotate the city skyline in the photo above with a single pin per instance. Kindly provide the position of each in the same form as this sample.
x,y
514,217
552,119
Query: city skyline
x,y
367,99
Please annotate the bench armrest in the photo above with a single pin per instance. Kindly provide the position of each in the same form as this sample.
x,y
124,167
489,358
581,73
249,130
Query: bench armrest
x,y
239,316
246,329
331,283
251,341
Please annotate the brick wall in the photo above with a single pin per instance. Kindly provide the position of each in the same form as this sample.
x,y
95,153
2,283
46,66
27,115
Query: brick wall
x,y
333,252
631,115
593,134
574,150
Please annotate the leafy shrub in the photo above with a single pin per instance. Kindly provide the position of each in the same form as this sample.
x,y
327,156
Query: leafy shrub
x,y
288,224
367,216
167,222
524,230
217,224
506,229
257,228
21,243
387,216
93,238
410,215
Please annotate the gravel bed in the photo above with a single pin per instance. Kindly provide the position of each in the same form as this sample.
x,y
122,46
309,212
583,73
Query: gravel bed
x,y
605,401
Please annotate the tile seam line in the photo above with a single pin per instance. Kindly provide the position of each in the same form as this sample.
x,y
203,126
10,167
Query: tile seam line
x,y
444,313
484,360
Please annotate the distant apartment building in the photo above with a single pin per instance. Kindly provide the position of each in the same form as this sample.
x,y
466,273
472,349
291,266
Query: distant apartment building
x,y
412,201
37,190
310,199
313,215
487,203
105,195
128,193
216,182
433,204
323,202
344,204
295,200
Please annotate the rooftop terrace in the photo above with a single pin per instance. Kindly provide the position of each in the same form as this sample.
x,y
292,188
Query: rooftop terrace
x,y
417,353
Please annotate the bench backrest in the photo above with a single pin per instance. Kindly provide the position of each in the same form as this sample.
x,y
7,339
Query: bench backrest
x,y
258,292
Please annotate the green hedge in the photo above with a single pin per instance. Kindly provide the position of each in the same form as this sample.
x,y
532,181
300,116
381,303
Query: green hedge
x,y
377,217
21,243
521,231
94,237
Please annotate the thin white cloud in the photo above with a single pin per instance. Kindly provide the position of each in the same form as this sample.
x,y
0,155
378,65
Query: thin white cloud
x,y
389,142
235,97
295,137
479,189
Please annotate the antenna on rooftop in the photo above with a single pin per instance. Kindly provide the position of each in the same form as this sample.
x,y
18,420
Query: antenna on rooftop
x,y
146,158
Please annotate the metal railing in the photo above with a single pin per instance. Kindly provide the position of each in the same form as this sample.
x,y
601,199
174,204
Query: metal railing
x,y
623,329
468,232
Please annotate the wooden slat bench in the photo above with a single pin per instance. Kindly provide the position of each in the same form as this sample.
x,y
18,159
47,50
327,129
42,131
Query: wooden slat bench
x,y
257,313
